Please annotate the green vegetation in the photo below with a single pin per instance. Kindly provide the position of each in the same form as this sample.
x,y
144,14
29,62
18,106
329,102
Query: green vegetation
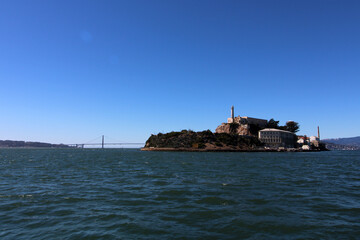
x,y
290,126
254,129
273,124
190,139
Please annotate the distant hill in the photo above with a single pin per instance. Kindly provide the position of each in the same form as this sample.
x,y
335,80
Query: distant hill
x,y
352,143
23,144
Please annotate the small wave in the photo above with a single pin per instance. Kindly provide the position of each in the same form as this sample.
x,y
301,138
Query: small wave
x,y
258,201
215,201
63,212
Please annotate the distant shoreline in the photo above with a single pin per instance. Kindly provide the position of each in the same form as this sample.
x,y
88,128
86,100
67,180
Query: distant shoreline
x,y
25,144
4,147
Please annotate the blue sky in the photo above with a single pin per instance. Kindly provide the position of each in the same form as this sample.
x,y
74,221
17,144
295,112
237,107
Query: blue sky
x,y
73,70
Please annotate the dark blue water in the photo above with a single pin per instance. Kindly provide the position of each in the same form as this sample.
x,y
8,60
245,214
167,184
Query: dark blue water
x,y
129,194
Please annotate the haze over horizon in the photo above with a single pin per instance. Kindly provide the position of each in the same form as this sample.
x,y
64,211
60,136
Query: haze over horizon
x,y
74,70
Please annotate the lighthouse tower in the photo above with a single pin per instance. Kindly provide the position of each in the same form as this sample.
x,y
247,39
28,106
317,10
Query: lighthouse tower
x,y
232,114
232,118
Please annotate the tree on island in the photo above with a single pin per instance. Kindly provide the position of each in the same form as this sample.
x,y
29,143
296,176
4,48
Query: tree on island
x,y
292,126
272,124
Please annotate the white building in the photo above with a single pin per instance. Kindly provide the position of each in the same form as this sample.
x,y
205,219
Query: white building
x,y
314,138
305,147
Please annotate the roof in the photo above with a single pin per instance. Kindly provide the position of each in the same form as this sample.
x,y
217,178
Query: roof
x,y
254,118
274,130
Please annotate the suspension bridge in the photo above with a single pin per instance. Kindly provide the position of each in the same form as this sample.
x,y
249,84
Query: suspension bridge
x,y
102,144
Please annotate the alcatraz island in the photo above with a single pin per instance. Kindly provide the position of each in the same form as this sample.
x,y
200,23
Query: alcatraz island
x,y
239,134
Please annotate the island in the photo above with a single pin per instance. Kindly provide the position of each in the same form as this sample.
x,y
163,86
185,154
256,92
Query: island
x,y
239,134
205,141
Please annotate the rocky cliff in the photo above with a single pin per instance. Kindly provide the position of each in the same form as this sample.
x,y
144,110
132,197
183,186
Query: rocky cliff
x,y
238,129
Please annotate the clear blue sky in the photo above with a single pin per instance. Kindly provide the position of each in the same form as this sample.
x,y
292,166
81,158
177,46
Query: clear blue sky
x,y
73,70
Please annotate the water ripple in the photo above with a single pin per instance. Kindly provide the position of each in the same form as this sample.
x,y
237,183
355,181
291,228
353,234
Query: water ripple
x,y
129,194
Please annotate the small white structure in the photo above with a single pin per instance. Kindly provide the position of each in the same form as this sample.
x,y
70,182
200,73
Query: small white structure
x,y
305,147
314,138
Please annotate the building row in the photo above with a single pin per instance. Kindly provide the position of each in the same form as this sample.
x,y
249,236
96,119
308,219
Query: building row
x,y
276,138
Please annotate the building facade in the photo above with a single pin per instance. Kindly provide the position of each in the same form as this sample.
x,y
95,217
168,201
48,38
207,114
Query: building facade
x,y
246,120
277,138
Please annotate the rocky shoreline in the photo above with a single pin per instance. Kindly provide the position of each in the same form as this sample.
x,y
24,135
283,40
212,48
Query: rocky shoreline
x,y
207,141
223,150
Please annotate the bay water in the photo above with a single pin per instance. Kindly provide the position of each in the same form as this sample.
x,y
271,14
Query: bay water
x,y
130,194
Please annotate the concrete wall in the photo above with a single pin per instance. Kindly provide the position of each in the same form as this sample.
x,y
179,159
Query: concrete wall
x,y
248,120
256,121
